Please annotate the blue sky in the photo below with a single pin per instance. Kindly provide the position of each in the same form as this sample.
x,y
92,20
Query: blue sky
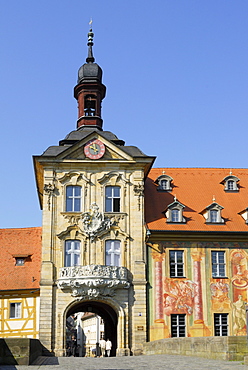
x,y
175,72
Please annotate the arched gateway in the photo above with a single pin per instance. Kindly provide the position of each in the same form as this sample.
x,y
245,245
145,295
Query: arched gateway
x,y
91,191
107,314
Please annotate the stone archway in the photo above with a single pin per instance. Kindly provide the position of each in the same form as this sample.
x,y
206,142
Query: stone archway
x,y
105,311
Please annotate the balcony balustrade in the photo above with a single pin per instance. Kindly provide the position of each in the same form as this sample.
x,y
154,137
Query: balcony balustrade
x,y
93,281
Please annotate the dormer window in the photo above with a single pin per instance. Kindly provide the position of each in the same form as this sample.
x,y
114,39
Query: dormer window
x,y
174,212
164,183
212,214
231,183
244,214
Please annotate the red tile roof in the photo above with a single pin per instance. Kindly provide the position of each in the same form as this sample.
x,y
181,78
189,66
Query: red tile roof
x,y
20,243
195,189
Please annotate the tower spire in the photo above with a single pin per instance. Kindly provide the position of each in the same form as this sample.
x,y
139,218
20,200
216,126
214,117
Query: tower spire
x,y
90,90
90,43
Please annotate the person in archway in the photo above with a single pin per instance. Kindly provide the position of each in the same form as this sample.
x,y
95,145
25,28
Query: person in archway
x,y
73,346
108,347
102,346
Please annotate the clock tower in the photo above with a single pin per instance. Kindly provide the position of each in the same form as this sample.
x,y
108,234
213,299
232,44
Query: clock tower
x,y
89,90
91,191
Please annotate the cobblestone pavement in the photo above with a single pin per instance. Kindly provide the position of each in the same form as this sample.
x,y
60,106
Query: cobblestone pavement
x,y
153,362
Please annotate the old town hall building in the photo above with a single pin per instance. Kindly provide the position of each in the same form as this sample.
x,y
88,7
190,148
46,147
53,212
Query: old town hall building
x,y
156,253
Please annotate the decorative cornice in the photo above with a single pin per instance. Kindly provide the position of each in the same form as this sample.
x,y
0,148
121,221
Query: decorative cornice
x,y
106,177
67,177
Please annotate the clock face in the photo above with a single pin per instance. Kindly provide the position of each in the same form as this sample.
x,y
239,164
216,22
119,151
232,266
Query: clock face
x,y
94,149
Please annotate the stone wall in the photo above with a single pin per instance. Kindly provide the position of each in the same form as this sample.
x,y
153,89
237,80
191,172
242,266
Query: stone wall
x,y
19,351
222,348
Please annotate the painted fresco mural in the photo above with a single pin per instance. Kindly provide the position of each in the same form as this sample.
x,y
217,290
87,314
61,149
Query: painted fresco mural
x,y
198,294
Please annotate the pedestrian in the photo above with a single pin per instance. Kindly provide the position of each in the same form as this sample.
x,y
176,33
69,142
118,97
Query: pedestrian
x,y
73,346
102,346
108,347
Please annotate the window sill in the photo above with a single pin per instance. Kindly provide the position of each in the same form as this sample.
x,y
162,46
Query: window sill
x,y
214,223
115,213
71,213
173,222
220,277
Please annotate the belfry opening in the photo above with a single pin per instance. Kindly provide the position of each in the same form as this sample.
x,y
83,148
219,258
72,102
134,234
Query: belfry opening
x,y
86,324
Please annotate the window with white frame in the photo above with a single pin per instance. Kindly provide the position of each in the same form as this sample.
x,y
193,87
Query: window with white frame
x,y
112,198
15,310
176,264
72,253
221,324
73,198
213,217
218,264
230,185
112,252
163,184
175,215
178,326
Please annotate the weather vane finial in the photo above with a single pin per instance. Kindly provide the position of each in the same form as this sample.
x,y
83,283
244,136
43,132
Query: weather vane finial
x,y
90,43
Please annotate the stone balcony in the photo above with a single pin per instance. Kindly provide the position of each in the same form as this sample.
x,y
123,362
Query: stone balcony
x,y
93,281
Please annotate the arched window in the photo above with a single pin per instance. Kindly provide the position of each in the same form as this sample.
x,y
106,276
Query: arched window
x,y
112,252
72,253
90,105
73,198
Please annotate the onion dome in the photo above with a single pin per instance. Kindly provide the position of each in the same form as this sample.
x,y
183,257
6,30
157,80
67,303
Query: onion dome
x,y
90,71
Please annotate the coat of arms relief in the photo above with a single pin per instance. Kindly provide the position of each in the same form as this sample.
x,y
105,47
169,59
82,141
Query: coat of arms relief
x,y
94,223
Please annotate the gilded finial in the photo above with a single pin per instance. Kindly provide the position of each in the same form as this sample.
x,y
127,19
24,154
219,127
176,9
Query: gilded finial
x,y
213,198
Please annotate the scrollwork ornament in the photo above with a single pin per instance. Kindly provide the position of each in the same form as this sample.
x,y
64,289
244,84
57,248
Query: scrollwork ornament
x,y
49,190
139,192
